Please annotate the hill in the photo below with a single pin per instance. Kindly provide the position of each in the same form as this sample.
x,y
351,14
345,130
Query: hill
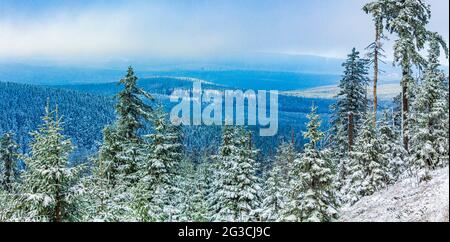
x,y
84,114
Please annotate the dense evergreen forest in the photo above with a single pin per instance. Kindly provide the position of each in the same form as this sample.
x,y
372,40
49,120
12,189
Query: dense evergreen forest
x,y
143,169
84,114
23,107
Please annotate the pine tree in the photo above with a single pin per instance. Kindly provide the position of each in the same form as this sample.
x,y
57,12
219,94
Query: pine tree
x,y
309,196
237,191
218,172
158,171
428,113
368,165
193,187
408,19
390,143
337,141
285,159
130,108
8,177
352,99
122,146
442,107
275,187
8,160
274,194
108,161
47,192
102,201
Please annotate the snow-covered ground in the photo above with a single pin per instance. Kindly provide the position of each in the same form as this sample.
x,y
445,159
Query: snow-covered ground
x,y
405,202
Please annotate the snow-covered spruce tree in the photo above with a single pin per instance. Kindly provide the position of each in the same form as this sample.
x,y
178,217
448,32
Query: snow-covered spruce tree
x,y
130,108
348,111
120,151
442,106
428,114
119,155
236,192
106,192
108,160
337,143
368,166
309,194
391,146
284,158
8,161
8,177
47,192
352,98
158,172
274,193
408,19
276,184
191,199
275,190
102,201
218,172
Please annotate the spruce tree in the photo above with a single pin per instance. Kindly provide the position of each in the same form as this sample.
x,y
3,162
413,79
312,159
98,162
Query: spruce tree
x,y
285,159
237,189
108,161
8,160
102,201
275,187
158,171
428,113
310,196
337,141
351,99
368,166
47,192
408,19
274,194
192,187
131,110
122,145
392,148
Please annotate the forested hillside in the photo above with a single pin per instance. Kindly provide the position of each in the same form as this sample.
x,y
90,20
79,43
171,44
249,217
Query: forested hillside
x,y
87,108
85,115
200,140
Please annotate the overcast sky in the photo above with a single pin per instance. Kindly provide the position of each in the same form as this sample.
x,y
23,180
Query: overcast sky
x,y
188,29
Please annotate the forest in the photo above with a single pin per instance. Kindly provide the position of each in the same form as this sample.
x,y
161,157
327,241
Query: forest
x,y
125,161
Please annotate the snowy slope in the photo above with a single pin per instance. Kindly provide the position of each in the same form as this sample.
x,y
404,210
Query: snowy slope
x,y
405,202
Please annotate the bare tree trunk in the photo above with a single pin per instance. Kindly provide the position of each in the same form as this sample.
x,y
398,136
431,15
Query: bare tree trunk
x,y
405,109
350,131
375,74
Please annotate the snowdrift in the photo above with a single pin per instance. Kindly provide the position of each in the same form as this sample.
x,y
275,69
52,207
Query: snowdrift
x,y
405,201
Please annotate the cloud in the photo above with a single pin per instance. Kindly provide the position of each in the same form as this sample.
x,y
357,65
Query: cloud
x,y
186,29
100,32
